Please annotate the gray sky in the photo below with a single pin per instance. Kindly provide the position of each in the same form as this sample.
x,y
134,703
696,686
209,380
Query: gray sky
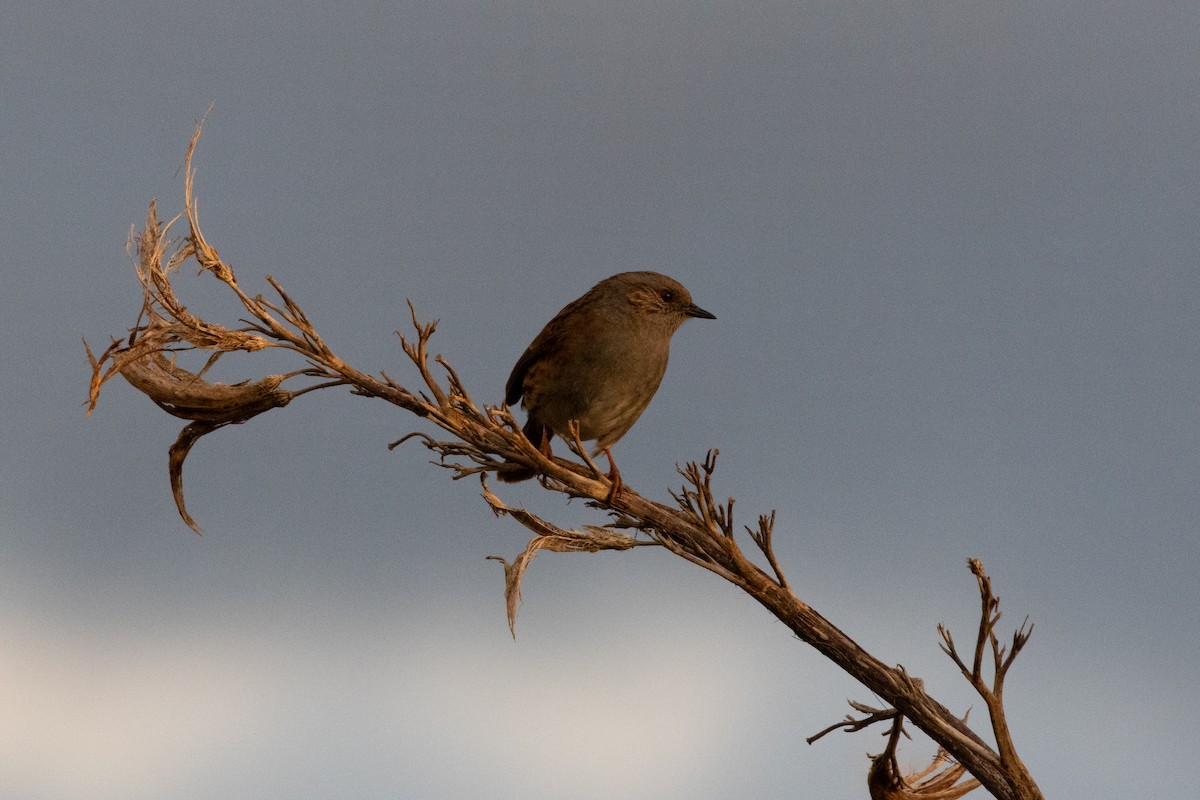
x,y
952,252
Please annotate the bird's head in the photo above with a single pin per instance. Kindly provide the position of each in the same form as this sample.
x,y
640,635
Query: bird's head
x,y
658,297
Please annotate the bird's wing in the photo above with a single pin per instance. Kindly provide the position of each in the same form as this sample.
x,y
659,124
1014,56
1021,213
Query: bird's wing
x,y
516,381
515,388
546,341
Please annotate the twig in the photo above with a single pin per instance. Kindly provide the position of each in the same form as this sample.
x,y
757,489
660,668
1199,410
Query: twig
x,y
1002,660
852,725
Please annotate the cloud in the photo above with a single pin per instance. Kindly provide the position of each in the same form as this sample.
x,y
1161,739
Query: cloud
x,y
90,719
599,720
269,705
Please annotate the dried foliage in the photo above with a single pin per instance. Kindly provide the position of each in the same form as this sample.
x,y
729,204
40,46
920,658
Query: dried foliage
x,y
938,781
484,439
885,780
592,539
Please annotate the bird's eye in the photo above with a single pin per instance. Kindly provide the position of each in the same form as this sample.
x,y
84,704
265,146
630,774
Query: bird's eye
x,y
667,296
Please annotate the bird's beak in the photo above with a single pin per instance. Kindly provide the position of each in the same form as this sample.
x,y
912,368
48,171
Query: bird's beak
x,y
696,311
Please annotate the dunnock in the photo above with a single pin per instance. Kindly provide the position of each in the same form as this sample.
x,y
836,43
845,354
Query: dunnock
x,y
599,362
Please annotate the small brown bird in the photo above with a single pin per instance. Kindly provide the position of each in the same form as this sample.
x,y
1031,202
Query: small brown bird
x,y
599,362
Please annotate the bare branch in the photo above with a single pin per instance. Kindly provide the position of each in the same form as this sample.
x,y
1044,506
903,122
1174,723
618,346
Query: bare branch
x,y
852,725
1002,660
481,439
762,538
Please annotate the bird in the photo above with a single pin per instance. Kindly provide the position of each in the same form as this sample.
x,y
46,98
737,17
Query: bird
x,y
598,362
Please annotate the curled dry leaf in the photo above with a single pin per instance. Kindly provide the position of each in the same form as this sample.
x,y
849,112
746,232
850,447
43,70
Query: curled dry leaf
x,y
886,783
209,405
188,396
548,537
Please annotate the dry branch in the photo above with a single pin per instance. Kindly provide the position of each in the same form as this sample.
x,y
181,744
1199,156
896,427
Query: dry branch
x,y
483,439
1002,660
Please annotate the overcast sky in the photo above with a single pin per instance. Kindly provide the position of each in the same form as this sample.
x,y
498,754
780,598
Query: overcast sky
x,y
952,251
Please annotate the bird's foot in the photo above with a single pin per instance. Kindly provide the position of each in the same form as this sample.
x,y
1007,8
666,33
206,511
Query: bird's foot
x,y
614,478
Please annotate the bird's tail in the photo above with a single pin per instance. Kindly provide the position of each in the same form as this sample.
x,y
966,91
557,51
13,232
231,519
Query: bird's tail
x,y
514,473
539,436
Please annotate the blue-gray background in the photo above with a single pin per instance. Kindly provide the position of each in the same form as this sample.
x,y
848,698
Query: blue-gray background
x,y
952,249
